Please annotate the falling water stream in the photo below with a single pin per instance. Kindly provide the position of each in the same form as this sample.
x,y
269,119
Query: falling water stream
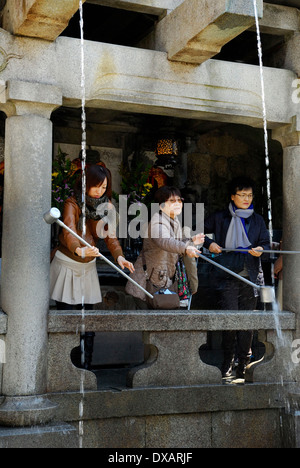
x,y
265,122
83,167
275,305
282,343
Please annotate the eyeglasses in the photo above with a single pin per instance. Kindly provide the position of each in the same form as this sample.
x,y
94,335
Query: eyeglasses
x,y
245,196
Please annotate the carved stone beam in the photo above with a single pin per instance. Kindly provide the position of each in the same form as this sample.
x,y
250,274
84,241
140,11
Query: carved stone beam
x,y
197,30
45,19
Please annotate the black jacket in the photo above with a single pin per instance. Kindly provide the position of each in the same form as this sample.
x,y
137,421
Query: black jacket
x,y
258,235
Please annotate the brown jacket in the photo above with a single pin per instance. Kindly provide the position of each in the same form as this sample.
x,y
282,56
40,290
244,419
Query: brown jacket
x,y
69,243
162,247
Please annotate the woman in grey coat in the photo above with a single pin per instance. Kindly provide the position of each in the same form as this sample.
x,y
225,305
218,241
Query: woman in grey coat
x,y
163,245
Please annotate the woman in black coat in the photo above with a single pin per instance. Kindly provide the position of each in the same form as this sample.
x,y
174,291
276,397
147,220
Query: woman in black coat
x,y
238,227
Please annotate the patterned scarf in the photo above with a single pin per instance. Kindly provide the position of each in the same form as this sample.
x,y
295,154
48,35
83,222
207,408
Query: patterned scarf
x,y
91,211
237,237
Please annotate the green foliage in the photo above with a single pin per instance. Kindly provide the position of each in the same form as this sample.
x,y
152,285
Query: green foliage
x,y
134,182
63,179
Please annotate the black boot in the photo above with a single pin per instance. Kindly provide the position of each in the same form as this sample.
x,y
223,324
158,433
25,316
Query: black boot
x,y
227,366
241,368
87,348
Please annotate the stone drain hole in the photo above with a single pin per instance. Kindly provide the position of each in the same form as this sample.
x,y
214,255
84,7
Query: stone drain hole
x,y
113,355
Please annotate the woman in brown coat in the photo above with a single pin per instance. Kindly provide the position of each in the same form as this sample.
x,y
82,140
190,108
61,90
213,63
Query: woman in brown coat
x,y
163,245
73,274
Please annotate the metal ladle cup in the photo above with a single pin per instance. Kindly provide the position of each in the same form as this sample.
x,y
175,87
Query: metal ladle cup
x,y
267,294
52,216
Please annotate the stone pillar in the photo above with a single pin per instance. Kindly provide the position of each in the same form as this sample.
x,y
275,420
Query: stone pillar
x,y
289,137
26,247
289,56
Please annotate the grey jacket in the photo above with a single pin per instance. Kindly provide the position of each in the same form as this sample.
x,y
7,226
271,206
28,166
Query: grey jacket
x,y
162,246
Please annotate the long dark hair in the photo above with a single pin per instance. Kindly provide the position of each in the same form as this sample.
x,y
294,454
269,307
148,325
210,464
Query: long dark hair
x,y
95,175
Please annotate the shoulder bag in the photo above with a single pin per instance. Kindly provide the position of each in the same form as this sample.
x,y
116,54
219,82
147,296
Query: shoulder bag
x,y
163,298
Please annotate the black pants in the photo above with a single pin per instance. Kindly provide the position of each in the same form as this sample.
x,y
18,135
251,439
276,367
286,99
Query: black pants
x,y
140,305
237,295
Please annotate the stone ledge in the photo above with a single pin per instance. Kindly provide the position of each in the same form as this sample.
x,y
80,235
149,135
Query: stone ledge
x,y
59,435
113,321
176,400
33,92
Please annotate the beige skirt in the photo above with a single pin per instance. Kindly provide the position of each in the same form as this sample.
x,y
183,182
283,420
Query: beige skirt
x,y
74,282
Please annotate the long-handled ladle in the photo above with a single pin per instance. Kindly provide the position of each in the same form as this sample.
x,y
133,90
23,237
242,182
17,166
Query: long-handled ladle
x,y
53,215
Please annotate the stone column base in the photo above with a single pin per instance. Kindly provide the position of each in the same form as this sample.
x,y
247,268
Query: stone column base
x,y
23,411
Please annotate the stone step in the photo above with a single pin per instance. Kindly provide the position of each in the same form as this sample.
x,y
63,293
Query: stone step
x,y
58,435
